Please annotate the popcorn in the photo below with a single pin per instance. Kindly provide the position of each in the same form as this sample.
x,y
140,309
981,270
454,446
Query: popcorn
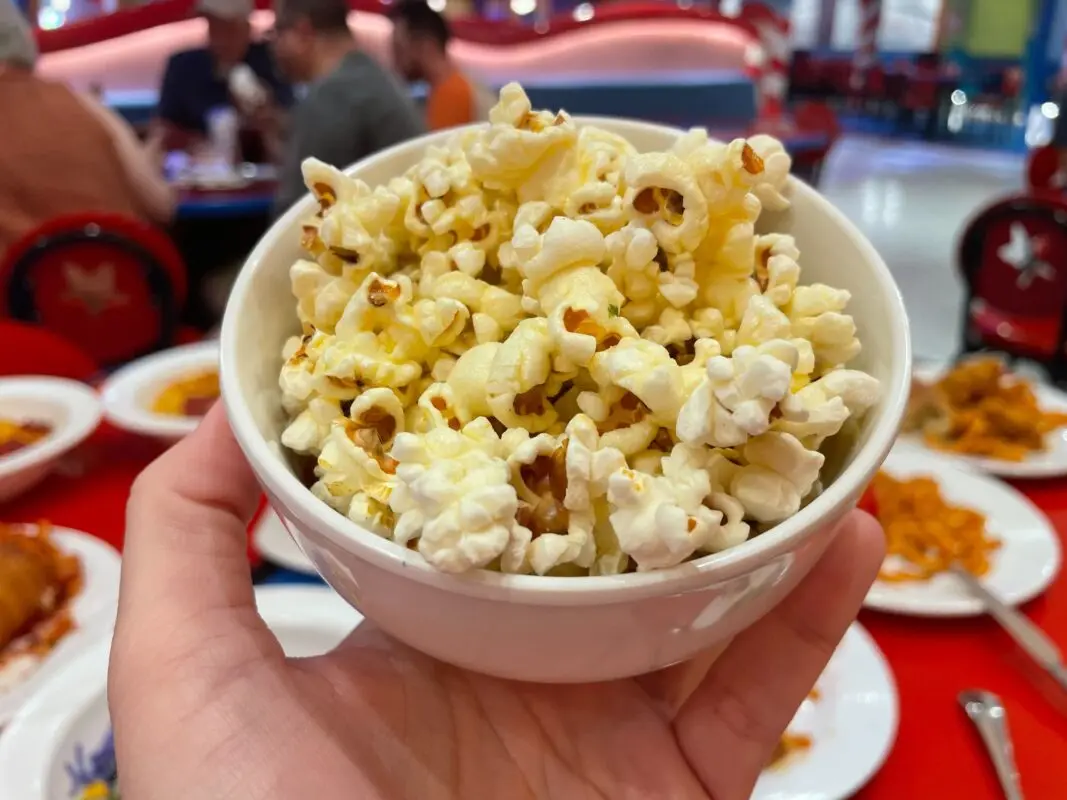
x,y
321,297
818,410
308,431
521,380
816,316
738,395
518,142
354,455
665,196
776,268
778,474
560,535
775,177
453,495
541,351
660,523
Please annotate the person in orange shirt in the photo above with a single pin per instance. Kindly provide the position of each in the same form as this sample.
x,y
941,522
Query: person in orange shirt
x,y
420,53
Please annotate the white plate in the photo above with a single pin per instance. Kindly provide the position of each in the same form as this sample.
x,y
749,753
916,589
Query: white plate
x,y
1046,464
852,726
1023,567
71,408
129,392
275,544
70,714
94,616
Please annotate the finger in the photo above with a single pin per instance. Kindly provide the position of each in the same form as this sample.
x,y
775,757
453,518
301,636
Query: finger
x,y
670,688
751,692
186,549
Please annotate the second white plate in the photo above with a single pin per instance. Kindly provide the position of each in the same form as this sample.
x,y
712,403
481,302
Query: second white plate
x,y
58,740
1024,566
93,611
1050,462
852,725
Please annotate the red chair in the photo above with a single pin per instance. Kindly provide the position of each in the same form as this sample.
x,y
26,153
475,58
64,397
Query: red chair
x,y
815,117
112,284
1013,258
33,350
1043,170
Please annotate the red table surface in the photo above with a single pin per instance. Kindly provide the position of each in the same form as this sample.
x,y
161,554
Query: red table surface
x,y
936,754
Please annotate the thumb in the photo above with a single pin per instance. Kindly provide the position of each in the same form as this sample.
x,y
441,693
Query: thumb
x,y
185,560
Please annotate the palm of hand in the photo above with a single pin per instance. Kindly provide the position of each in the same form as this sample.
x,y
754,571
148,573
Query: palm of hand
x,y
203,698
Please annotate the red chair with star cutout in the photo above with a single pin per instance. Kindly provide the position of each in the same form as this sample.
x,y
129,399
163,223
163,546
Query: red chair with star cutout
x,y
1043,171
112,284
1013,258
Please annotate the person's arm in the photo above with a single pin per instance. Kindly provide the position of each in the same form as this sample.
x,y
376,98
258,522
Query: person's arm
x,y
140,163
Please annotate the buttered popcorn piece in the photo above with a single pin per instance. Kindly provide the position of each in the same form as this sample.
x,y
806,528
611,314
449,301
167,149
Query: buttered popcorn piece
x,y
772,185
664,195
778,474
660,523
819,409
738,395
354,456
541,351
454,496
816,315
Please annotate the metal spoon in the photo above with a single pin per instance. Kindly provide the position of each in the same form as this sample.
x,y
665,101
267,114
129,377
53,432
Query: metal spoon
x,y
989,717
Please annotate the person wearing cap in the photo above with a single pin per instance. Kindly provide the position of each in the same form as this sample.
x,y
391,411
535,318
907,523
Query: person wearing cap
x,y
353,107
420,53
64,152
198,81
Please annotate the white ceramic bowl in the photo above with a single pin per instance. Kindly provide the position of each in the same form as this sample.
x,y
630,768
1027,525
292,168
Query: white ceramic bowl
x,y
543,628
129,392
71,408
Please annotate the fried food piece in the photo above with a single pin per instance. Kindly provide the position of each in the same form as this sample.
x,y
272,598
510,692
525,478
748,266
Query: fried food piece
x,y
189,397
36,580
926,532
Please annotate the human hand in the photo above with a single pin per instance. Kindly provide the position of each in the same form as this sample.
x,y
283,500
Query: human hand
x,y
204,702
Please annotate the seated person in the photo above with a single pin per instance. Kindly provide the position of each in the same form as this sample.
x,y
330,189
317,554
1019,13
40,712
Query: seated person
x,y
420,53
197,81
64,153
353,107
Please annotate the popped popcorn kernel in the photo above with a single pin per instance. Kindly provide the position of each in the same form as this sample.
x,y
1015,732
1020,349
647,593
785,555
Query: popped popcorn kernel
x,y
540,350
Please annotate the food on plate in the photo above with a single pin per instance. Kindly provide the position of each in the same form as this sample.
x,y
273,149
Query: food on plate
x,y
37,583
924,533
792,743
191,396
540,351
788,745
979,408
17,434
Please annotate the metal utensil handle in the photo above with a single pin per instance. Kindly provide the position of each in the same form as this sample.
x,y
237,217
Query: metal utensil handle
x,y
989,717
1025,633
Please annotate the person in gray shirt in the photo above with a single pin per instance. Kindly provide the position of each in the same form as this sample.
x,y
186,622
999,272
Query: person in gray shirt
x,y
353,107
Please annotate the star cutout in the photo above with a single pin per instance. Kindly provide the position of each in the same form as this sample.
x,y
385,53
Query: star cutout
x,y
1025,255
94,288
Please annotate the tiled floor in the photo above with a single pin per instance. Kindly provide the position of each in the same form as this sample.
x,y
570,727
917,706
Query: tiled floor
x,y
912,199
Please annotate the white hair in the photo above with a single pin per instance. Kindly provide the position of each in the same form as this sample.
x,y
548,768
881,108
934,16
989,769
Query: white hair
x,y
17,45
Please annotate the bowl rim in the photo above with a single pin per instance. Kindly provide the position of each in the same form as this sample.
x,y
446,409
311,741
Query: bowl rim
x,y
305,510
84,411
119,392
